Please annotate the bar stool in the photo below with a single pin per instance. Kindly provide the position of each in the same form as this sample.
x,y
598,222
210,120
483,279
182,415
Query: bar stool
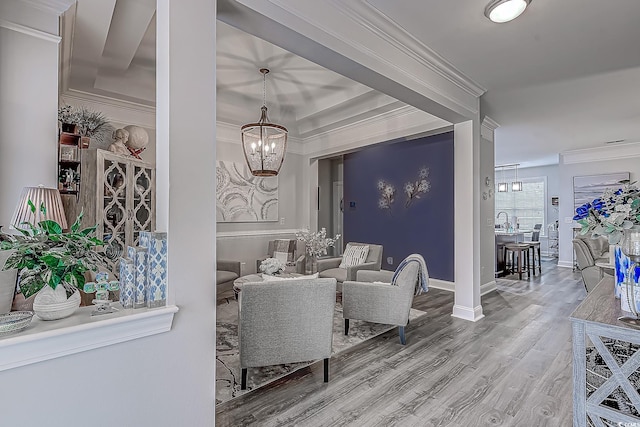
x,y
521,250
535,247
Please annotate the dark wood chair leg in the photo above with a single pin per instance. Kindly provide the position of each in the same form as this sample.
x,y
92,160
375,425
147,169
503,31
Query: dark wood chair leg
x,y
403,340
539,261
326,370
346,326
243,382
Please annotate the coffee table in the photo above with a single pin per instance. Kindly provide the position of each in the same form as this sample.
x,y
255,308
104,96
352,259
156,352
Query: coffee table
x,y
253,278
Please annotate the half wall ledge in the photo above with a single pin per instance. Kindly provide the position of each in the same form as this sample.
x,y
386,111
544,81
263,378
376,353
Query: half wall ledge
x,y
45,340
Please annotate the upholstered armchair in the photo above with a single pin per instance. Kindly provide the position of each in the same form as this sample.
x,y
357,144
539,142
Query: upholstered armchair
x,y
290,251
588,252
372,301
330,267
226,273
285,322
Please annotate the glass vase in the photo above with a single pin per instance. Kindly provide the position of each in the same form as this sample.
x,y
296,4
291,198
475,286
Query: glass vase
x,y
310,264
630,247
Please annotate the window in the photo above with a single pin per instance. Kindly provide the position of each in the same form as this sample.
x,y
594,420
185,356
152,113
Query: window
x,y
528,205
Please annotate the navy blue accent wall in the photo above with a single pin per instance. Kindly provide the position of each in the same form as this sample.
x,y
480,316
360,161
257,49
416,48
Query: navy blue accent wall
x,y
426,225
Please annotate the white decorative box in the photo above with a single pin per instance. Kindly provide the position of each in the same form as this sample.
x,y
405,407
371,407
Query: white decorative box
x,y
138,255
127,282
157,270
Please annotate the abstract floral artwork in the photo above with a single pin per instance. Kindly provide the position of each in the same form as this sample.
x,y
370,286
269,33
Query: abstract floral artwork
x,y
412,189
242,197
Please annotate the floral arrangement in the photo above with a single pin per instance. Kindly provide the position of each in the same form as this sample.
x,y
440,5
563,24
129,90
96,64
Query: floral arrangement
x,y
316,243
418,187
387,195
47,256
93,124
611,213
272,266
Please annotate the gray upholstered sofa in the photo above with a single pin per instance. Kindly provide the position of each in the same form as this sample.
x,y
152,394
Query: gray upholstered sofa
x,y
226,273
285,322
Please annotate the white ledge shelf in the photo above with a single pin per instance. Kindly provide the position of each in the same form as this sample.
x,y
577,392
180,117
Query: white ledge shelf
x,y
45,340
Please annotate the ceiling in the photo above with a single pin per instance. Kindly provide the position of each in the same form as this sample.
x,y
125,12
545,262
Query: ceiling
x,y
564,75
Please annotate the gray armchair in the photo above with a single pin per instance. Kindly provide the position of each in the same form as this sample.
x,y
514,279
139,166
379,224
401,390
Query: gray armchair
x,y
295,247
588,252
380,302
226,273
330,267
285,322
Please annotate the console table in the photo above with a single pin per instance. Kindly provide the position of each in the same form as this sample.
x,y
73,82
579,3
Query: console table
x,y
597,391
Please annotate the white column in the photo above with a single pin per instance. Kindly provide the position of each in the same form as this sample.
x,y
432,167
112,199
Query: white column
x,y
466,141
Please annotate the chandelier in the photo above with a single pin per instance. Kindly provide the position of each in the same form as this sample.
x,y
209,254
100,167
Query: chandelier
x,y
264,143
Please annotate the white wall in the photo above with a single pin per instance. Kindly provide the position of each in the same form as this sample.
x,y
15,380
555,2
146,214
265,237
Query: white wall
x,y
166,379
487,213
28,123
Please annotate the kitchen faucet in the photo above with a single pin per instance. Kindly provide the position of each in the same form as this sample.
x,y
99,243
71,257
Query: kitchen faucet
x,y
506,224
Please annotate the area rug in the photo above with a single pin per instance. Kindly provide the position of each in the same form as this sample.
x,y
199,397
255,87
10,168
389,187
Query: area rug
x,y
228,358
516,287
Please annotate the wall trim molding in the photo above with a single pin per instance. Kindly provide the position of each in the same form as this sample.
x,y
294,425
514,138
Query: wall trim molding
x,y
488,287
384,27
122,111
466,313
565,264
623,150
30,31
442,284
488,127
57,6
49,340
253,233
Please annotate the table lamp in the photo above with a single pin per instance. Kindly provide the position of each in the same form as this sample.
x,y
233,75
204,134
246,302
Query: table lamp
x,y
49,197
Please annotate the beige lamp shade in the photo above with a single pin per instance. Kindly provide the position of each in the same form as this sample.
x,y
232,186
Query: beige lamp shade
x,y
39,196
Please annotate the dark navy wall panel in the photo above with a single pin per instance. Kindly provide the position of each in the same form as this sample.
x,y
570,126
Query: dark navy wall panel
x,y
426,225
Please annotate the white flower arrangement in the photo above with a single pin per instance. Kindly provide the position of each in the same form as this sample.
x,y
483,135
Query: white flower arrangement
x,y
316,243
272,266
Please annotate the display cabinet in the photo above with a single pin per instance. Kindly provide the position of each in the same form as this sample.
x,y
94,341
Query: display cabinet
x,y
119,197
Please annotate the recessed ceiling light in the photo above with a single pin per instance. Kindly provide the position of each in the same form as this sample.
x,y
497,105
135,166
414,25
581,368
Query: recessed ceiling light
x,y
505,10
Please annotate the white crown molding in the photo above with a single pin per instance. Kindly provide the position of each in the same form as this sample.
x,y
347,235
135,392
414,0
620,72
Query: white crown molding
x,y
30,31
402,122
596,154
224,235
488,128
116,110
230,133
368,16
44,340
399,57
56,6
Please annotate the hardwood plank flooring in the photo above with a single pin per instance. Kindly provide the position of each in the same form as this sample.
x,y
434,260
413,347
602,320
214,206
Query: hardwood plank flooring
x,y
512,368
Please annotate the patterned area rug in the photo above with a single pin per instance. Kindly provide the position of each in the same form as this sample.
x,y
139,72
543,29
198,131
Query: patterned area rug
x,y
228,359
516,287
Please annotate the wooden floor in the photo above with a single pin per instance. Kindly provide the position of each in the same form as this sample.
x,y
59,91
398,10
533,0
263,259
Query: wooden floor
x,y
512,368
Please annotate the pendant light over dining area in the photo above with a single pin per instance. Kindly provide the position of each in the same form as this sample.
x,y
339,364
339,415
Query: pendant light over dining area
x,y
503,185
264,143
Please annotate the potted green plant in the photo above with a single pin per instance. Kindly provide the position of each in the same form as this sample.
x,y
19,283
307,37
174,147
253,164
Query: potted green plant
x,y
47,257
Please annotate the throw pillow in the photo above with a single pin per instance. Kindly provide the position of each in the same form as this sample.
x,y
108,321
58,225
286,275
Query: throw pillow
x,y
282,256
354,255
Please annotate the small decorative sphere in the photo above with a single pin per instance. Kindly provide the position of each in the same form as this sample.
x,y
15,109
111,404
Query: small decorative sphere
x,y
138,137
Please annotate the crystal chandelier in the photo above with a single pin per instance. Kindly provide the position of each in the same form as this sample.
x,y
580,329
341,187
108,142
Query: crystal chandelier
x,y
264,144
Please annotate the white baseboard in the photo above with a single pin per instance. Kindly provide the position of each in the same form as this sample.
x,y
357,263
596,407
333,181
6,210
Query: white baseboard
x,y
442,284
487,287
565,264
467,313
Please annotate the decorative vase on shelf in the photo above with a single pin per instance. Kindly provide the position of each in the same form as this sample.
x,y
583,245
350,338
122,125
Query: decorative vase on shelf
x,y
310,264
628,272
53,304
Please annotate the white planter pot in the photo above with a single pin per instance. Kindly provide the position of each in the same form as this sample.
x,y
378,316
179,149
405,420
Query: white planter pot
x,y
53,304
